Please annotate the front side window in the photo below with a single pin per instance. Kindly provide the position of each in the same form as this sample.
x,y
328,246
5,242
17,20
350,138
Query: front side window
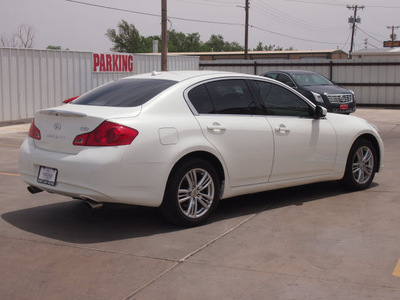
x,y
311,79
277,100
125,92
285,79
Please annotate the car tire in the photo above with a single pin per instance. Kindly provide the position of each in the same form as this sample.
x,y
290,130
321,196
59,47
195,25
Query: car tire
x,y
361,166
192,193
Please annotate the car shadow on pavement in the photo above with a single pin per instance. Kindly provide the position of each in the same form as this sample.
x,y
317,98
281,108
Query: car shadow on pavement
x,y
73,222
276,199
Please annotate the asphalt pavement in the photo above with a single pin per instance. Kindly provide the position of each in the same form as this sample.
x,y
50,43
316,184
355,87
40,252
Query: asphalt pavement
x,y
310,242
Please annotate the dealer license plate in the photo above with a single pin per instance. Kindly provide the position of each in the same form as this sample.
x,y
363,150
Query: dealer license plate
x,y
47,175
344,106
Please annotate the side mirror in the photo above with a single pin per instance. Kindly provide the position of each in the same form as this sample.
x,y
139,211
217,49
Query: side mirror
x,y
320,112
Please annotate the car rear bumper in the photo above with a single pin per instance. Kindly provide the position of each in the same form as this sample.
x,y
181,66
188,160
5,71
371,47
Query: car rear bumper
x,y
89,175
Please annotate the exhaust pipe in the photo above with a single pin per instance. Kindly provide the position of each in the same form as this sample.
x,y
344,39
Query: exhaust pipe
x,y
92,204
34,190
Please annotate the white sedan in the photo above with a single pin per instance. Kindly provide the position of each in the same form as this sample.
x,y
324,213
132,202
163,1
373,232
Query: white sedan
x,y
181,141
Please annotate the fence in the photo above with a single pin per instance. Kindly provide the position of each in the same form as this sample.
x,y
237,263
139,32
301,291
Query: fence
x,y
34,79
376,82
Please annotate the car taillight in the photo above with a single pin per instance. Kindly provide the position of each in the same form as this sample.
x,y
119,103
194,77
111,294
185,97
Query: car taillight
x,y
107,134
66,101
34,132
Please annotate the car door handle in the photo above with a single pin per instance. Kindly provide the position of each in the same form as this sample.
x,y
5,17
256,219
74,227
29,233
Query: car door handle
x,y
216,128
282,129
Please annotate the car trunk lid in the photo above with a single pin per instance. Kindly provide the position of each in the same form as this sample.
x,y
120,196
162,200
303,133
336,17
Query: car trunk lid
x,y
59,126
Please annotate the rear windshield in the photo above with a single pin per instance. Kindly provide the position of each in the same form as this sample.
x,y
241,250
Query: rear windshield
x,y
125,93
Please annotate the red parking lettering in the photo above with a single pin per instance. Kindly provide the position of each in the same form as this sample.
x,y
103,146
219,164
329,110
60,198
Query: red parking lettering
x,y
112,62
96,61
115,63
124,63
102,63
130,63
108,63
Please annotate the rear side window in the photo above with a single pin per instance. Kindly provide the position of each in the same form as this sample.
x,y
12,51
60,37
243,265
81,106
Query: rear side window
x,y
223,97
271,75
201,100
125,93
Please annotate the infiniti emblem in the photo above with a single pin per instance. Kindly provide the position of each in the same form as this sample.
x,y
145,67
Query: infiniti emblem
x,y
57,126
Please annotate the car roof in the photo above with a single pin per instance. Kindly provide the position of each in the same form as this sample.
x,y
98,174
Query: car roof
x,y
185,75
293,72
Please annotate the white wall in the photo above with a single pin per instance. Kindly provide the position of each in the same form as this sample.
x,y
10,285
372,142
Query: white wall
x,y
34,79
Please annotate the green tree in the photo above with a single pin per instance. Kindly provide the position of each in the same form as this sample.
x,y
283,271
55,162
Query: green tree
x,y
181,42
261,47
127,39
216,43
176,41
51,47
148,43
193,42
233,46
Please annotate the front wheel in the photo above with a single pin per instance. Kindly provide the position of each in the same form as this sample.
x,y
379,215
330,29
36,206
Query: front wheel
x,y
192,193
361,166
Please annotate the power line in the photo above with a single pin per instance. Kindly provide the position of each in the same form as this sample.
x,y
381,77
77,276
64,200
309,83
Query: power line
x,y
212,3
292,37
114,8
338,4
346,41
314,2
368,34
283,17
154,15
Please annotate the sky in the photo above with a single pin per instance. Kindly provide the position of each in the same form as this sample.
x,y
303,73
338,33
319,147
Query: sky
x,y
301,24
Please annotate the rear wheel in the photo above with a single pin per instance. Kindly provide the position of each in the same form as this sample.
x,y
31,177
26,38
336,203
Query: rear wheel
x,y
361,166
192,193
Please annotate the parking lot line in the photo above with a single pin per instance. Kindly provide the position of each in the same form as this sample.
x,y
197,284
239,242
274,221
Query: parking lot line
x,y
396,271
9,145
9,174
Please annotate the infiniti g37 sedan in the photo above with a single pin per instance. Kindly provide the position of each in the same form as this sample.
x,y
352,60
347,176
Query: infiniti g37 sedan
x,y
181,141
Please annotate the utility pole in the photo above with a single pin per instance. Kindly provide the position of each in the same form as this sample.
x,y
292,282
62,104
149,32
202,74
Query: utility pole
x,y
164,36
393,36
246,31
353,20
